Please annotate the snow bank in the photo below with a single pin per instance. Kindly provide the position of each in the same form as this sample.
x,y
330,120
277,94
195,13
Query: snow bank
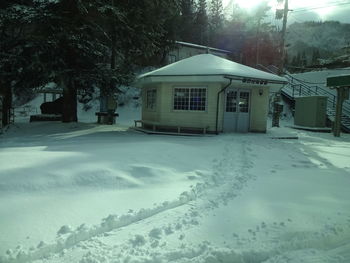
x,y
68,238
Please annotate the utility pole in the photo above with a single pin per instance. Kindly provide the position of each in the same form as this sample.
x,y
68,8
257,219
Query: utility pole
x,y
283,35
277,104
257,42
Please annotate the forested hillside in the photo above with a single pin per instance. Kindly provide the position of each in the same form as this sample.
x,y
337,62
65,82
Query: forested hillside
x,y
310,41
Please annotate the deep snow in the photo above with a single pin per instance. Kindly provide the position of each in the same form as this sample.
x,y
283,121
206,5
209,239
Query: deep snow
x,y
98,193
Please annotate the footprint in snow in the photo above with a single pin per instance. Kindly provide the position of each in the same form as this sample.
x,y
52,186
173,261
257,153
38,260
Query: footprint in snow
x,y
168,230
155,233
155,244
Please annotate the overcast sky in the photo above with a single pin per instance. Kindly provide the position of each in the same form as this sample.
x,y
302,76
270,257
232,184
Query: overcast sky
x,y
304,10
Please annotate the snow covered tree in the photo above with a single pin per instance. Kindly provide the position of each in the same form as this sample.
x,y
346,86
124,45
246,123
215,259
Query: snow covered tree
x,y
75,46
17,66
76,43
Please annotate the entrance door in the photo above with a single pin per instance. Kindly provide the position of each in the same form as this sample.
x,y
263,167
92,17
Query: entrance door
x,y
237,110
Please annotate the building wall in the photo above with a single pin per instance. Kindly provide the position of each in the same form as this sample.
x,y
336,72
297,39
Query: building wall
x,y
259,109
166,115
187,118
152,115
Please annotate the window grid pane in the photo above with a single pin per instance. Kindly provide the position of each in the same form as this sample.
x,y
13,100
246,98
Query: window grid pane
x,y
244,102
181,97
198,99
190,99
151,99
231,101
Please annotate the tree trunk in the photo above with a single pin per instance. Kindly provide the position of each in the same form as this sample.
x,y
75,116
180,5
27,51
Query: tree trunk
x,y
6,104
69,113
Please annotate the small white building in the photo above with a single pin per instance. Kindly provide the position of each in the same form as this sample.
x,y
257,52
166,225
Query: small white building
x,y
207,93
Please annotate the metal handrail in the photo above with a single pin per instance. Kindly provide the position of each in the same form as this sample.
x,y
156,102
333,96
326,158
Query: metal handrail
x,y
317,87
314,89
331,98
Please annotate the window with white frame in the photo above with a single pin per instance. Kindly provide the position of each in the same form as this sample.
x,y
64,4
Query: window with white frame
x,y
193,99
151,99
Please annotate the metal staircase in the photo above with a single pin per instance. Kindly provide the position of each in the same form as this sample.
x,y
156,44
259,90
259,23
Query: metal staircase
x,y
297,88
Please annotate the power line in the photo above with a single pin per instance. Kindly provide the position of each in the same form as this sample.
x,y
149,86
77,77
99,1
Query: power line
x,y
292,17
334,2
327,4
318,7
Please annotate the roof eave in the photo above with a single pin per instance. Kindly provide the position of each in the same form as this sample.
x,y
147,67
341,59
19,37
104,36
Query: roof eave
x,y
217,78
224,76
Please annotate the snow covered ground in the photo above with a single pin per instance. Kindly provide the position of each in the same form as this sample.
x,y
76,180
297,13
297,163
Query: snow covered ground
x,y
320,77
93,193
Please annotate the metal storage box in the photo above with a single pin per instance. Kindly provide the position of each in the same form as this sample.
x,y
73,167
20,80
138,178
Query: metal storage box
x,y
310,111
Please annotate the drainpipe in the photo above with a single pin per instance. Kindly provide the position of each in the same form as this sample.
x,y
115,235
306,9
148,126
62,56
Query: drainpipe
x,y
217,106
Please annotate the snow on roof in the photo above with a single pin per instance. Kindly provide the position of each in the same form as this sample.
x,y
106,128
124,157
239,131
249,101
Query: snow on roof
x,y
202,47
211,65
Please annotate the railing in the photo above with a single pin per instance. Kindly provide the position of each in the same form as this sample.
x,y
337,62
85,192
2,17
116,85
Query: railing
x,y
298,88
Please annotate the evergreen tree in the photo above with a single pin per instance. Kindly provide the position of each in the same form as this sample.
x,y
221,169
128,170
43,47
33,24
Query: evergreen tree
x,y
77,43
315,56
286,59
298,60
303,61
234,32
17,66
187,19
201,23
216,20
260,28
